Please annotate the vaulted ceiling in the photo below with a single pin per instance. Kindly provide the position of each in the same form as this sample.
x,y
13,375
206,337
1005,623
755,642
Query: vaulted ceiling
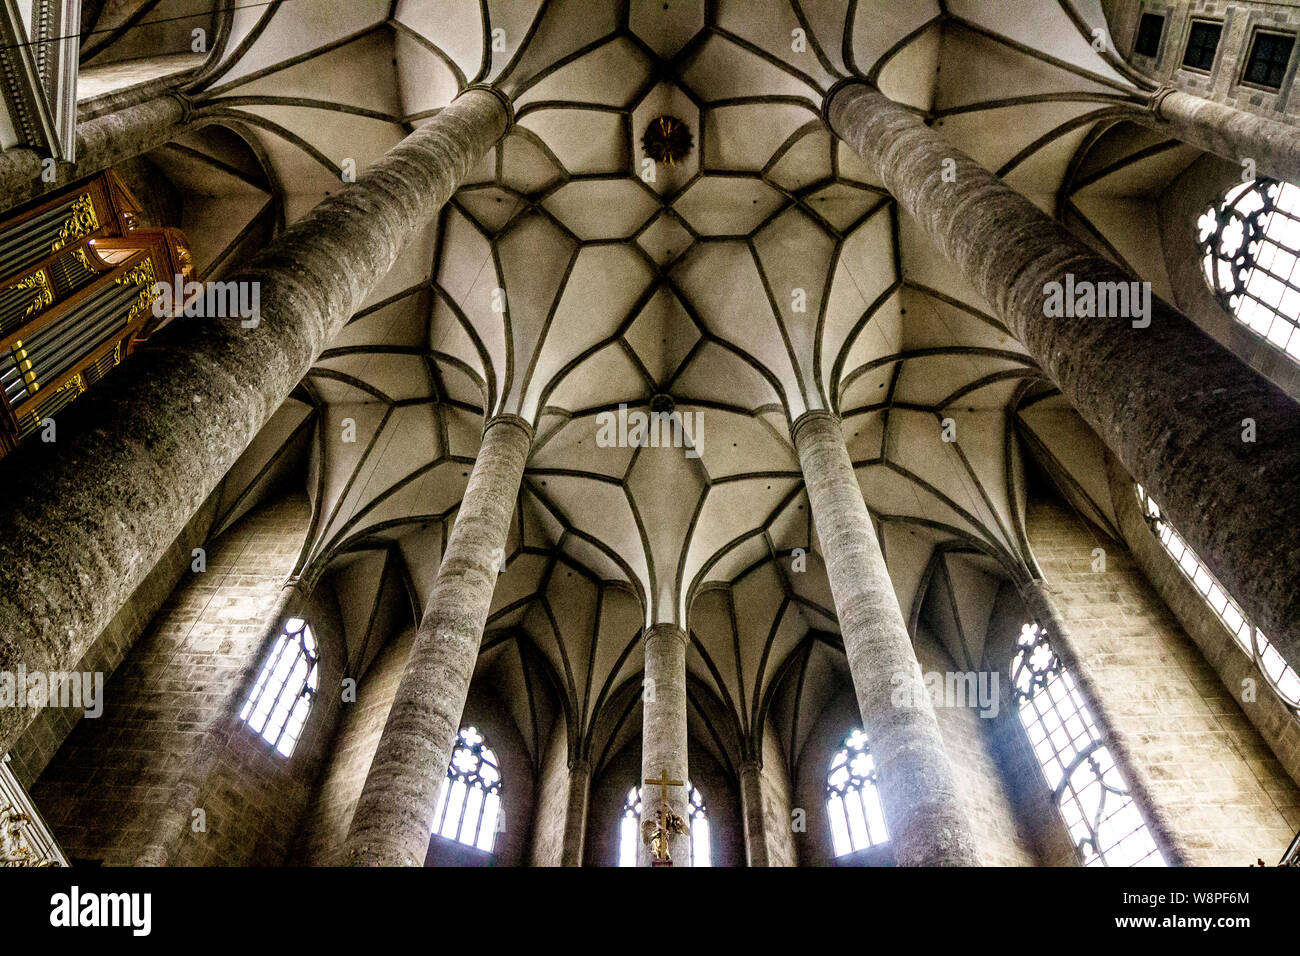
x,y
766,274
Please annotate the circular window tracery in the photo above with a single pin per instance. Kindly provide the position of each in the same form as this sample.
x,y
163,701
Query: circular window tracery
x,y
1250,253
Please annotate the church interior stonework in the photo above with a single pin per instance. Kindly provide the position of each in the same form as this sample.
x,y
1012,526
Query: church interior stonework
x,y
649,433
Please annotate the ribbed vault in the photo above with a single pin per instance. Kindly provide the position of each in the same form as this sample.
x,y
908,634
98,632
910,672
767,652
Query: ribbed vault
x,y
765,275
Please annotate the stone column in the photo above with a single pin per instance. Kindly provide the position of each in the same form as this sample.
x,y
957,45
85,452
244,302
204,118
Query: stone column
x,y
174,824
575,813
1226,131
927,823
1038,601
663,734
86,518
1170,402
394,816
101,142
751,812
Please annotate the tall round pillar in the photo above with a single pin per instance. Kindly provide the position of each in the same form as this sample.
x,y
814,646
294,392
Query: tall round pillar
x,y
1197,427
751,812
394,815
136,458
1234,134
918,789
663,736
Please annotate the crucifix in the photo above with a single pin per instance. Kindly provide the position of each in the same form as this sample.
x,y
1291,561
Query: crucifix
x,y
656,832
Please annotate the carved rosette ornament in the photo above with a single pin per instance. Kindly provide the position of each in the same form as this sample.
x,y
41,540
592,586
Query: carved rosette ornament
x,y
667,140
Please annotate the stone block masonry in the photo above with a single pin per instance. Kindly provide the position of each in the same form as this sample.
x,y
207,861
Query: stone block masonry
x,y
1227,797
113,776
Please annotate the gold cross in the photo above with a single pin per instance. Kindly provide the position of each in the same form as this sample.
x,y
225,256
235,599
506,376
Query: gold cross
x,y
663,783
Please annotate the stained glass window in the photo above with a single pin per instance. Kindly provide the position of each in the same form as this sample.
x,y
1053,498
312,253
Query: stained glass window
x,y
278,706
1090,792
1281,677
1250,244
469,804
853,798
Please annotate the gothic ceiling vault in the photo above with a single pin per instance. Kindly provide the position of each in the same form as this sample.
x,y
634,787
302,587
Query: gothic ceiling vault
x,y
763,274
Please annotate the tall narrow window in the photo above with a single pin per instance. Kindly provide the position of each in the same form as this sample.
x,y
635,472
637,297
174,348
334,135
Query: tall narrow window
x,y
278,706
1148,39
1269,55
1088,789
1202,45
1281,677
1250,244
629,828
853,798
469,804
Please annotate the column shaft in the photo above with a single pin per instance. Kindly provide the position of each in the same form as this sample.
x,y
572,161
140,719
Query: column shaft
x,y
751,812
927,823
663,734
111,138
1043,609
575,814
1169,401
90,515
394,815
1226,131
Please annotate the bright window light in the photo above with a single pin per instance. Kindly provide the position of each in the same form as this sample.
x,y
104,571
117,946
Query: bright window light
x,y
1278,674
629,828
281,699
469,803
1249,243
853,797
1088,789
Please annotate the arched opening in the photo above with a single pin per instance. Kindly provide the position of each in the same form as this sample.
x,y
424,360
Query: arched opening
x,y
853,798
281,699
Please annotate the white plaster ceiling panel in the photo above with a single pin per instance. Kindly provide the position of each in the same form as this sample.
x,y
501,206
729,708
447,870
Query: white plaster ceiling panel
x,y
775,29
880,26
291,30
566,29
747,136
425,82
365,60
611,75
666,25
908,73
602,208
1043,26
454,27
559,283
718,69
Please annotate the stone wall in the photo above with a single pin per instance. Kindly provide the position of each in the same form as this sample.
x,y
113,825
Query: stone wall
x,y
1228,797
325,825
968,738
43,737
108,784
552,799
1240,19
777,796
1277,726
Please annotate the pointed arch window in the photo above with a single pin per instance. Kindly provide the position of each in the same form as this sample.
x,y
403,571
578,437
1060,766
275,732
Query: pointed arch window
x,y
1279,675
1089,791
629,828
1250,247
281,699
853,797
469,804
